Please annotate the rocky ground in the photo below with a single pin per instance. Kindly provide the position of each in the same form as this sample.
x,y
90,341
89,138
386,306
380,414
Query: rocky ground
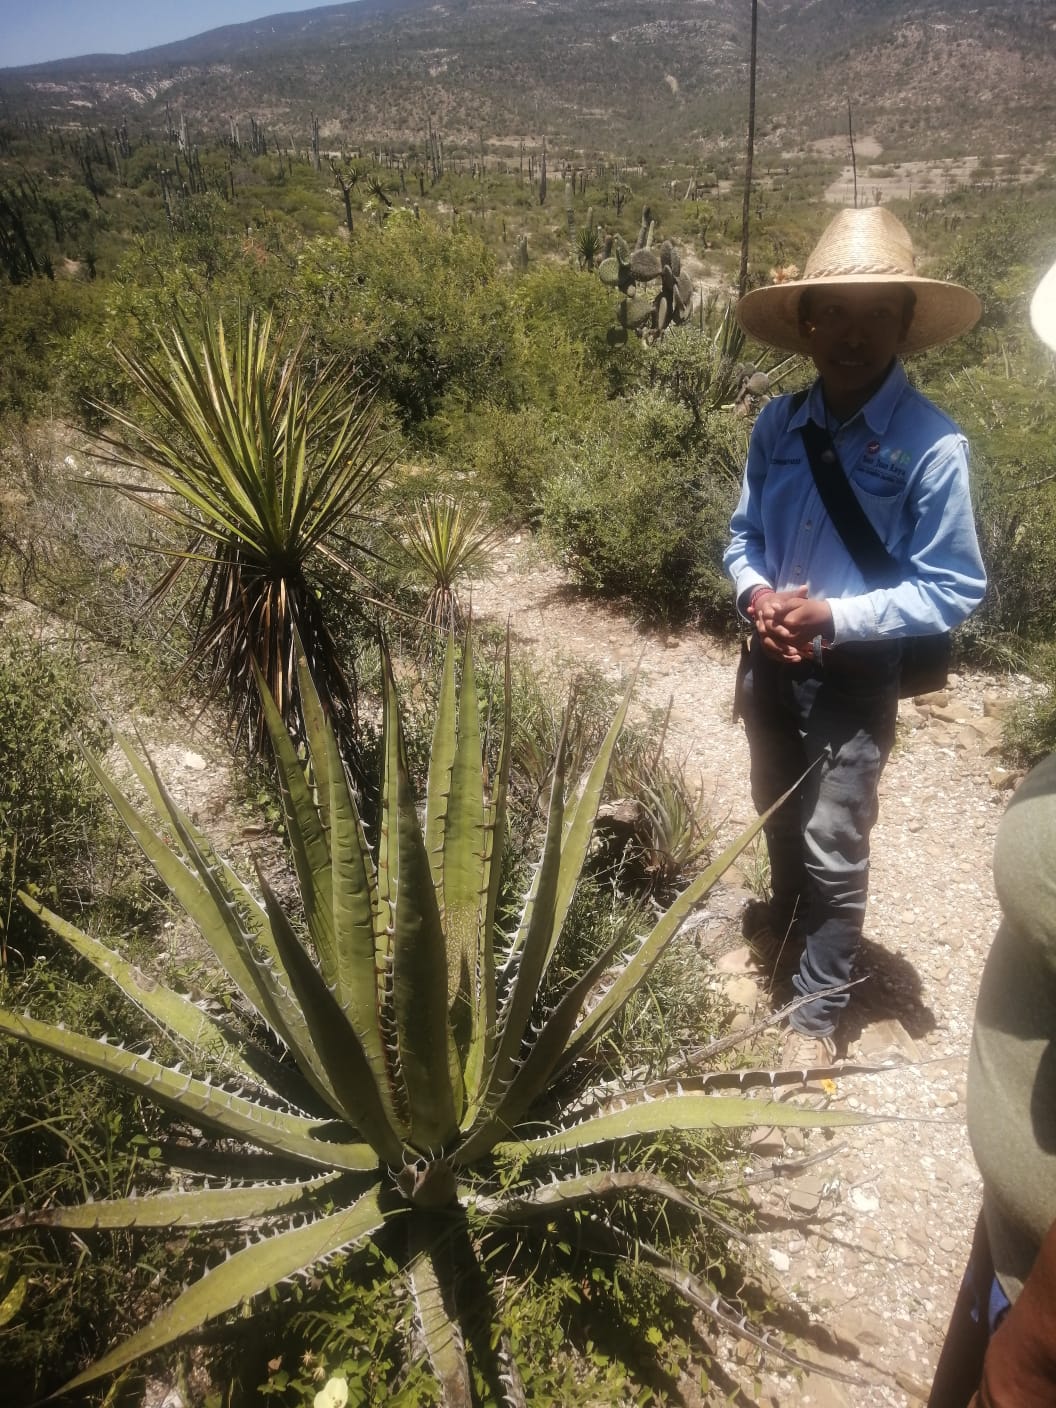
x,y
872,1240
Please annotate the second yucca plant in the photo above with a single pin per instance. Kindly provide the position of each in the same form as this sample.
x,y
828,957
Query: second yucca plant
x,y
445,540
423,1090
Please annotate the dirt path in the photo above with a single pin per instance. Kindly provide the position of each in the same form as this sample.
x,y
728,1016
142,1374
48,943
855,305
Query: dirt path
x,y
875,1238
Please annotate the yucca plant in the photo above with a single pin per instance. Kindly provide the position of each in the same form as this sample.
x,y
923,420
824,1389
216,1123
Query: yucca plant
x,y
587,247
446,540
423,1093
264,466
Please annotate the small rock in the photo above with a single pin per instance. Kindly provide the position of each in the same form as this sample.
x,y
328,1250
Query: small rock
x,y
779,1260
996,707
1002,779
803,1202
858,1327
741,991
864,1202
738,960
194,761
886,1038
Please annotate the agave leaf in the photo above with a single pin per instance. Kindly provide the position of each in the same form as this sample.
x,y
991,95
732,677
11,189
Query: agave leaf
x,y
535,1070
184,1019
11,1301
530,950
218,923
308,841
419,956
437,1319
438,787
355,917
464,874
641,964
280,1133
353,886
480,1059
613,1243
335,1040
196,1207
229,918
244,1275
580,818
253,945
315,728
686,1111
566,1194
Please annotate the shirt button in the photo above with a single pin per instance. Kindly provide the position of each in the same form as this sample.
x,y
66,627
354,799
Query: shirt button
x,y
808,526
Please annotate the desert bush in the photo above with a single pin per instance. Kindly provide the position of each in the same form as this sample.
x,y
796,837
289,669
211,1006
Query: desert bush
x,y
418,309
49,810
37,321
630,523
512,455
1030,732
1010,432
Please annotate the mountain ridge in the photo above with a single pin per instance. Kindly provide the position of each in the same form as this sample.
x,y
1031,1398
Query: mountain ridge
x,y
600,74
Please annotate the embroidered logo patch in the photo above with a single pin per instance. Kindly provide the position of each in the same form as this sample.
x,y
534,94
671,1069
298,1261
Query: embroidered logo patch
x,y
873,447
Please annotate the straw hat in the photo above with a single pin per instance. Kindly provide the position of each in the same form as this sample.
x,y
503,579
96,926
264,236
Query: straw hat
x,y
867,246
1043,309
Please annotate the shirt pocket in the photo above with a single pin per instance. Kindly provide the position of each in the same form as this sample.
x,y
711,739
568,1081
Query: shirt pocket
x,y
882,500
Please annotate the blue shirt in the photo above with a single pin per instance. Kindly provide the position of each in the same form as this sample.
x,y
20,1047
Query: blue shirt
x,y
908,466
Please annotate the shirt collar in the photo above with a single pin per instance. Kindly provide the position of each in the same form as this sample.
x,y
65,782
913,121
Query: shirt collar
x,y
876,412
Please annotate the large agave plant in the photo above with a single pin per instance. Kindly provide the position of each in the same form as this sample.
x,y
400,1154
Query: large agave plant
x,y
418,1064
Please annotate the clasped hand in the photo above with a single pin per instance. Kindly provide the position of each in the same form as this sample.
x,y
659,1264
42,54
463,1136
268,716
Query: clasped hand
x,y
787,623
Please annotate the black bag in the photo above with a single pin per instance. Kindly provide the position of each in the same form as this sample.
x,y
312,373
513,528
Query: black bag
x,y
925,659
925,664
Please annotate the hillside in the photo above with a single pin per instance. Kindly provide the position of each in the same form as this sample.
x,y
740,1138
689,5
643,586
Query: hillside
x,y
609,75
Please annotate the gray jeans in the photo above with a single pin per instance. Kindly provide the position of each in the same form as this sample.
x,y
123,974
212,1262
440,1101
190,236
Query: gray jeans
x,y
841,718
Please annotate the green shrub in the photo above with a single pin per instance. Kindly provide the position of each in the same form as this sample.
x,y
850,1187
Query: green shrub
x,y
49,808
67,1136
512,455
1030,733
652,527
419,309
37,320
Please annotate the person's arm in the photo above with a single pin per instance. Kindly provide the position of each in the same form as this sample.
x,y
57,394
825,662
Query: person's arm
x,y
745,556
945,579
1019,1370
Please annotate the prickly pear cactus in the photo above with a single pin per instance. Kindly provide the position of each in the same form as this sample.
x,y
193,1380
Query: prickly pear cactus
x,y
658,292
753,389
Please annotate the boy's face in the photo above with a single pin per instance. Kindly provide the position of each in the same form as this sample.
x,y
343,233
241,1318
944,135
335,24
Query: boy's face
x,y
854,334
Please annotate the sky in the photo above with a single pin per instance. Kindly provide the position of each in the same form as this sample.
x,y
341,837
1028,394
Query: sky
x,y
33,31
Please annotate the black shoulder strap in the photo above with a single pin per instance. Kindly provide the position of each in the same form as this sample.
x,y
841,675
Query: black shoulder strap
x,y
848,517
